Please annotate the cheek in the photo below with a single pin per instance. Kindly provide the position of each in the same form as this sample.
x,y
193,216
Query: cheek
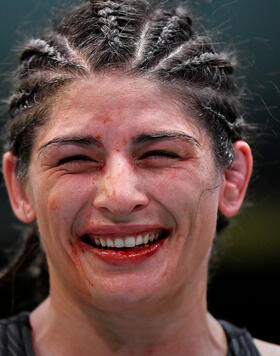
x,y
179,190
61,202
54,203
190,198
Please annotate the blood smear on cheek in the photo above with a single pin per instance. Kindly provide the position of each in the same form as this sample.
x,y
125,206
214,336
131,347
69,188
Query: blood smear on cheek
x,y
53,204
76,250
91,223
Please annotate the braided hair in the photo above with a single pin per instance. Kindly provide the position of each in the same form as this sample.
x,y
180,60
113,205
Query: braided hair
x,y
136,37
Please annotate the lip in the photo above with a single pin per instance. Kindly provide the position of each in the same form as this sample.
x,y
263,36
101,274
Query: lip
x,y
121,230
125,256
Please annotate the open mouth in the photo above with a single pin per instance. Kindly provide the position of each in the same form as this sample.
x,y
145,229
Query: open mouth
x,y
126,243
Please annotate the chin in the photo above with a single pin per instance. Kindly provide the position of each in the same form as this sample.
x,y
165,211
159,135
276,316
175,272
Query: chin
x,y
129,293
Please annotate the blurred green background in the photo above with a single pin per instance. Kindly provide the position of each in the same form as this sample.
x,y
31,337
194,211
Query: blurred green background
x,y
244,288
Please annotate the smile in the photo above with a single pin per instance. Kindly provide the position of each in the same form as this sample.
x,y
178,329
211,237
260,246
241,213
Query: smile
x,y
123,247
125,242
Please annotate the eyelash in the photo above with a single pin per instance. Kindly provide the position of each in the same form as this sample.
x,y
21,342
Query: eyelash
x,y
159,153
74,158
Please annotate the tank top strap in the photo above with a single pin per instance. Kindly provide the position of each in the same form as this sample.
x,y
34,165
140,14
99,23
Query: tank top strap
x,y
240,341
15,336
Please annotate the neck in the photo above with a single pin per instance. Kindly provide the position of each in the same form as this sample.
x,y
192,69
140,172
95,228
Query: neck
x,y
183,327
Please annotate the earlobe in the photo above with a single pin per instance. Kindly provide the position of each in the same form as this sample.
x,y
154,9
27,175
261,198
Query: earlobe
x,y
236,180
20,203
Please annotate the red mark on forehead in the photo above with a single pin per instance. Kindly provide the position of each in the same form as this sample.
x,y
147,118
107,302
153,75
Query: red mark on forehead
x,y
107,120
124,141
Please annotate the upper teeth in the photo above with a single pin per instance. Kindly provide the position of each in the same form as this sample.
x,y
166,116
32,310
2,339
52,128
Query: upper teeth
x,y
127,241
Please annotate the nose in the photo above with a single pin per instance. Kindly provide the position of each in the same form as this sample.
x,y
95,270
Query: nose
x,y
118,191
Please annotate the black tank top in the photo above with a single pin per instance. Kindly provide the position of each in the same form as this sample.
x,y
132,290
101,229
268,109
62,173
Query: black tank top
x,y
240,342
16,340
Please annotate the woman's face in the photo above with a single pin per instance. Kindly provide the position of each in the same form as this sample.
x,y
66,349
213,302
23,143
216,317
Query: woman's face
x,y
120,163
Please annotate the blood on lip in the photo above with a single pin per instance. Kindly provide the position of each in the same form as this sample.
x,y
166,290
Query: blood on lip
x,y
122,256
125,256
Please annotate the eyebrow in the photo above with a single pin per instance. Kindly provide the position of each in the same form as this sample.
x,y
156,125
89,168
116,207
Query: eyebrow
x,y
143,138
76,140
140,139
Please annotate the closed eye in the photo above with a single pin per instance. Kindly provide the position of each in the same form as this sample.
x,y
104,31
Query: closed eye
x,y
79,164
160,153
75,158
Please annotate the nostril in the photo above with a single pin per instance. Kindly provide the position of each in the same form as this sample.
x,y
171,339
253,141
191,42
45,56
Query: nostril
x,y
120,209
138,207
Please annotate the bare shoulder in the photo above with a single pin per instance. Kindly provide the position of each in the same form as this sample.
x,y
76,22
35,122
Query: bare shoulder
x,y
267,349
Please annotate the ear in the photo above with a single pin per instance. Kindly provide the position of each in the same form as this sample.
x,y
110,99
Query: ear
x,y
236,179
21,204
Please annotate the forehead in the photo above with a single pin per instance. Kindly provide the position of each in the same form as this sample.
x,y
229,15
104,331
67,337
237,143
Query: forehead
x,y
102,104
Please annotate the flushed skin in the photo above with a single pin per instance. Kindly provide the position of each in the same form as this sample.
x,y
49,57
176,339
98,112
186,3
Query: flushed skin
x,y
97,152
118,186
124,309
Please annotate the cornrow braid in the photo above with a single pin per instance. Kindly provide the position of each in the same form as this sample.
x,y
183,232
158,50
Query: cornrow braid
x,y
191,63
230,127
228,133
213,68
215,59
168,30
108,30
25,99
40,54
29,114
109,23
41,47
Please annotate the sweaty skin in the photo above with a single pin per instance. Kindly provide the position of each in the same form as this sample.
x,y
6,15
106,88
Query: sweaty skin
x,y
119,156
